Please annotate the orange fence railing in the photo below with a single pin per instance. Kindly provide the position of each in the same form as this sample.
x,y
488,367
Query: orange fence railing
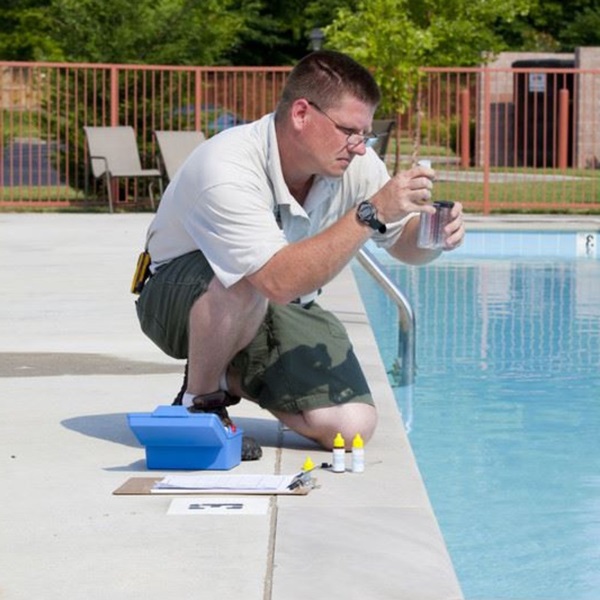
x,y
501,140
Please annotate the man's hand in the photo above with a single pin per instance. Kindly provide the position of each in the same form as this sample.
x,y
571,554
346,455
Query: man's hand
x,y
410,192
455,230
406,192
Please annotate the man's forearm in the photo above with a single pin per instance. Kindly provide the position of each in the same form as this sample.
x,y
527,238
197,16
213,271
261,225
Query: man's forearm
x,y
307,265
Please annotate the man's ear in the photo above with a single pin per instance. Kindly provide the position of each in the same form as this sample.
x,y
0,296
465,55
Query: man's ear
x,y
299,113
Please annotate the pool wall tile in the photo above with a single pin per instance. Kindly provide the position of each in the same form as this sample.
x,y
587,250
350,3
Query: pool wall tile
x,y
528,243
522,243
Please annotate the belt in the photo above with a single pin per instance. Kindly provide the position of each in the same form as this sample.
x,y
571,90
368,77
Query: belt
x,y
307,299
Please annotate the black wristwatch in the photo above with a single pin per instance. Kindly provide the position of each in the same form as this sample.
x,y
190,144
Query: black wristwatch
x,y
366,213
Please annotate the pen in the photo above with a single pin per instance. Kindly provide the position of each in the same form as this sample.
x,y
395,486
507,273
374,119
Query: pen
x,y
304,476
301,479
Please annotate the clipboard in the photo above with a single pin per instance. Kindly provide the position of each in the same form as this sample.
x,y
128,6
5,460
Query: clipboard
x,y
290,485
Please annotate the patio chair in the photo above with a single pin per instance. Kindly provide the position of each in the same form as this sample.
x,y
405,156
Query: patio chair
x,y
383,128
114,154
175,147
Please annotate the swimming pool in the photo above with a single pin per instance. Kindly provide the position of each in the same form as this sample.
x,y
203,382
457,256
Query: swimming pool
x,y
504,415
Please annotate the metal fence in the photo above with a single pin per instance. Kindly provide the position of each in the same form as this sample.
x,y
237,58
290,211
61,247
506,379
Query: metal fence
x,y
501,140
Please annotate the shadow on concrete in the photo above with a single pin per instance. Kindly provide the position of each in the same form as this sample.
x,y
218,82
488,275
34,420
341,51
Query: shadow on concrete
x,y
138,466
110,427
113,427
52,364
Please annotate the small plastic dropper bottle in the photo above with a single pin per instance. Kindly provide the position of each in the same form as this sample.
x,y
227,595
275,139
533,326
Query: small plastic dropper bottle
x,y
308,465
338,463
358,454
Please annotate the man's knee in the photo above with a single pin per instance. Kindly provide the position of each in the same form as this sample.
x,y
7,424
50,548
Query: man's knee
x,y
347,419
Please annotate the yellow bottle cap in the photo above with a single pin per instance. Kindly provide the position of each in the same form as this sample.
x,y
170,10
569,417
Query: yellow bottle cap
x,y
308,465
339,442
357,442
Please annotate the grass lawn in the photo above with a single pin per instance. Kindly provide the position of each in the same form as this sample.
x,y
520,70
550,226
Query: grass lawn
x,y
509,189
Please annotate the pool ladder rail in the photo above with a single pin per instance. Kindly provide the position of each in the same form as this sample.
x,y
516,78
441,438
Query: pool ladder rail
x,y
405,364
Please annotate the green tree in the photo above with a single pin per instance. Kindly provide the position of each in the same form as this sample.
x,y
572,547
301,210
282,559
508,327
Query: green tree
x,y
279,33
149,31
584,30
395,38
555,26
275,35
24,31
178,32
272,32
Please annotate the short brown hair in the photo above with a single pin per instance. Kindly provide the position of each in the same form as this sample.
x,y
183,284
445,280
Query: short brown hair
x,y
324,77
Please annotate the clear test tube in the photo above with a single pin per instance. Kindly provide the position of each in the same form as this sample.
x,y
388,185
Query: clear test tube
x,y
431,227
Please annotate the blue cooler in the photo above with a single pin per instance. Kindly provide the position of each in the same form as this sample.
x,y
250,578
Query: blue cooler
x,y
175,438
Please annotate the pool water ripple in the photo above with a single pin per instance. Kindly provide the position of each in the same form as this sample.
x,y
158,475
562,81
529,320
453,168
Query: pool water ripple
x,y
505,418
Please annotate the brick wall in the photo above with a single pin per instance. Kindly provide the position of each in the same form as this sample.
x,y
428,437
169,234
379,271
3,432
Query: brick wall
x,y
511,110
587,142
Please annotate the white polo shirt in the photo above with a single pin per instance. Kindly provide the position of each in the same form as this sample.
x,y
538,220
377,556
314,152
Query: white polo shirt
x,y
228,196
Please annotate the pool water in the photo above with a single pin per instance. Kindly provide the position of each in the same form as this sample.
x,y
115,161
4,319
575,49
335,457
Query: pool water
x,y
504,416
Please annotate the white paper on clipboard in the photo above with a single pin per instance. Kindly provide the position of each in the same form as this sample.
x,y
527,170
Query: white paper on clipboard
x,y
223,483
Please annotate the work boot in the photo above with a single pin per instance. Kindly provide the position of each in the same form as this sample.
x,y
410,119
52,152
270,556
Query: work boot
x,y
216,403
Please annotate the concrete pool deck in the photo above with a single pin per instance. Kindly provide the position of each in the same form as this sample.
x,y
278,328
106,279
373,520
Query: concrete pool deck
x,y
74,363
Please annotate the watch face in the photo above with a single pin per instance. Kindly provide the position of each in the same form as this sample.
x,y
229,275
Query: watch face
x,y
365,211
367,214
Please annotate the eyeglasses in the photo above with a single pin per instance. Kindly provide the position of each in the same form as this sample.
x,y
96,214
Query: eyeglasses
x,y
353,137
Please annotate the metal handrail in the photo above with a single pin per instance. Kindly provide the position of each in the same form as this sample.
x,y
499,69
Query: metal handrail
x,y
405,362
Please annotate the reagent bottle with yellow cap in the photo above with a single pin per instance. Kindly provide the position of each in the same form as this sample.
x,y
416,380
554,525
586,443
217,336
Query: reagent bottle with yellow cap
x,y
358,454
339,454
